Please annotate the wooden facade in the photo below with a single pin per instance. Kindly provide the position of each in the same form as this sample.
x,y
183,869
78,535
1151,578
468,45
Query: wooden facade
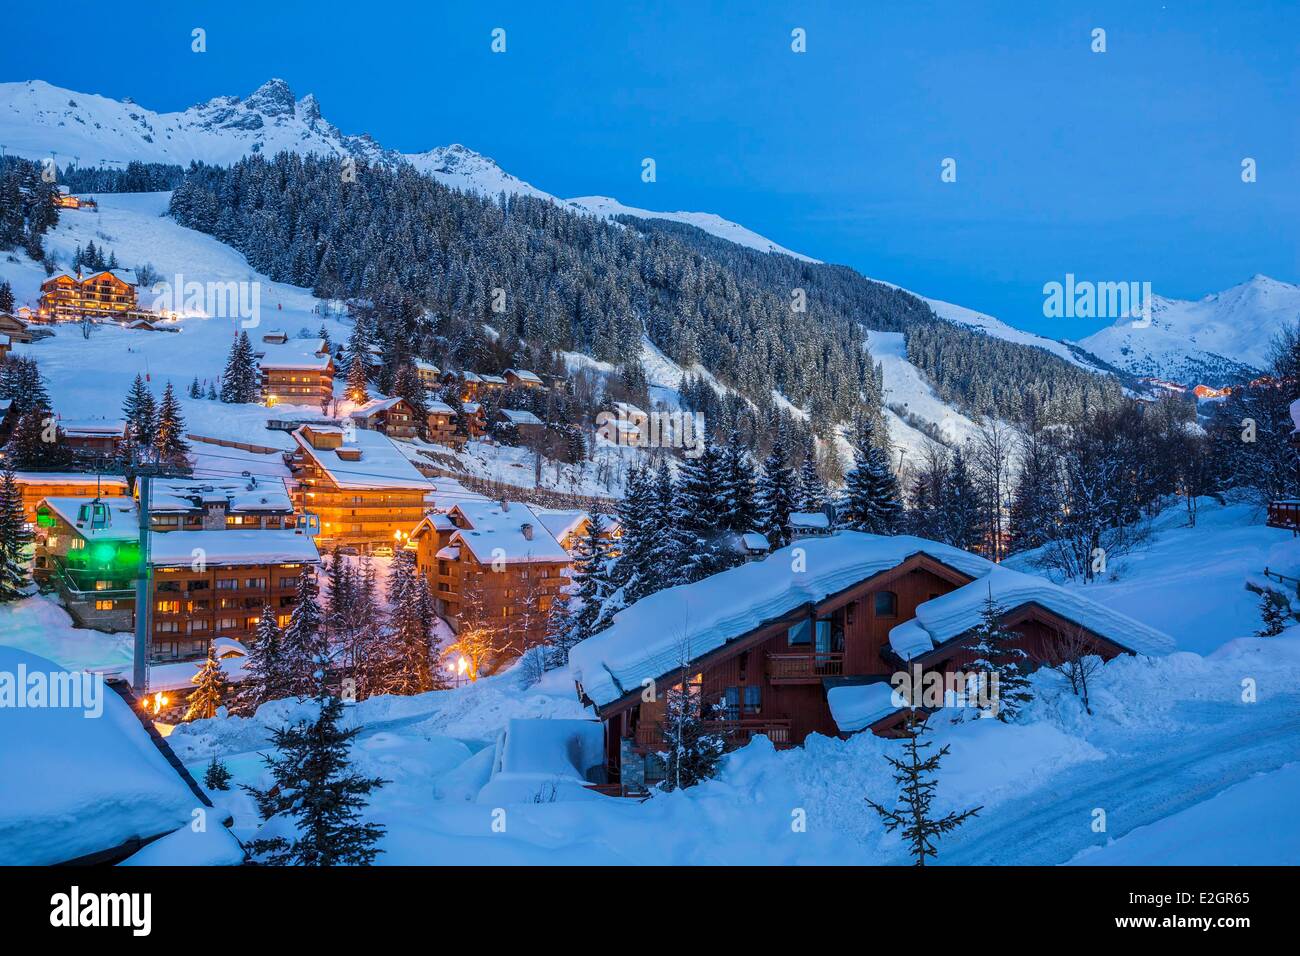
x,y
304,378
36,486
102,295
774,679
393,416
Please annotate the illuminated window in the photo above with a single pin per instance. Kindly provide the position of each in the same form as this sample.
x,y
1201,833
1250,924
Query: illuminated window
x,y
103,605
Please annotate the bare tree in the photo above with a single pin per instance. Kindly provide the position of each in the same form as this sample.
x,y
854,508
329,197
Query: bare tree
x,y
990,454
1073,655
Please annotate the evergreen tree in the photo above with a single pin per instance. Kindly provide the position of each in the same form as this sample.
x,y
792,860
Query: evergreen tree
x,y
303,643
776,497
217,776
700,510
409,623
209,688
316,788
212,392
21,384
38,444
358,382
14,539
693,750
1275,612
6,297
264,673
407,386
241,381
736,491
997,656
592,582
916,777
195,391
141,412
960,508
634,518
870,501
171,450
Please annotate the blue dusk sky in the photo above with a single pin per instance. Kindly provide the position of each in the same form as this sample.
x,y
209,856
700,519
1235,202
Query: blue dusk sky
x,y
1122,165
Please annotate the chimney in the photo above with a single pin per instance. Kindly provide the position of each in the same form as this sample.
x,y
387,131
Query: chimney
x,y
527,529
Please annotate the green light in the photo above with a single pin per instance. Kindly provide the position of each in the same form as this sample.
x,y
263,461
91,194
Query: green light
x,y
103,553
44,519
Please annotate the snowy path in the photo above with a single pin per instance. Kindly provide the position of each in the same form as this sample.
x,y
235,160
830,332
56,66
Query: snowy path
x,y
1219,748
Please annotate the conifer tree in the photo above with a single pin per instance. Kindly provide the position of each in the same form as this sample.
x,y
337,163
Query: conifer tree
x,y
1275,612
692,750
264,672
14,538
209,688
916,777
997,655
407,386
170,447
240,383
592,583
775,496
700,545
141,412
634,520
960,508
409,623
812,490
195,390
358,365
38,443
736,491
212,392
870,501
303,644
316,787
217,776
6,297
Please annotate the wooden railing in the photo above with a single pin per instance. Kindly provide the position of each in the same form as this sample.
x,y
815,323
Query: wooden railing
x,y
650,735
804,668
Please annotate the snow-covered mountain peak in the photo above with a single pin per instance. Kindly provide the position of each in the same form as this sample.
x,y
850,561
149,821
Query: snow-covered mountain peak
x,y
272,98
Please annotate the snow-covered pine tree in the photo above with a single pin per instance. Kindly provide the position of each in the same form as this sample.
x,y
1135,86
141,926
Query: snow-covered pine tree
x,y
217,776
195,390
917,778
209,688
171,450
960,508
660,570
303,643
358,355
14,538
996,653
408,621
692,750
560,625
6,297
812,490
407,386
240,383
1275,612
736,492
141,412
316,787
212,392
37,443
871,500
592,581
264,672
700,545
775,496
634,508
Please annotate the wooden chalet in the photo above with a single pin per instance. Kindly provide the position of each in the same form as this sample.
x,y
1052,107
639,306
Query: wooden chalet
x,y
361,487
35,486
442,425
392,416
522,378
296,372
492,564
14,330
88,550
783,652
428,372
527,425
94,438
63,199
108,294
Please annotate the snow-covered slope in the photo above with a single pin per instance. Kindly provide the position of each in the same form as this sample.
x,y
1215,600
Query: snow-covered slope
x,y
1210,340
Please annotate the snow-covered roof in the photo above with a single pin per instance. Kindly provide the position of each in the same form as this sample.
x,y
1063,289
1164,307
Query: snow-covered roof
x,y
72,785
214,845
650,638
520,416
440,408
809,519
544,755
497,534
424,366
295,353
68,478
487,379
89,428
754,541
448,554
231,547
123,522
524,375
238,495
560,522
953,614
382,464
857,706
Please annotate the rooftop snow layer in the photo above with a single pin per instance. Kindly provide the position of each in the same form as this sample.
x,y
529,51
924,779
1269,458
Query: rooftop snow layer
x,y
231,547
495,533
857,706
382,464
72,785
650,638
958,611
123,522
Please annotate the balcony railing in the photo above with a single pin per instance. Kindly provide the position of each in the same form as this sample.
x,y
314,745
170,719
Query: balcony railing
x,y
804,668
650,734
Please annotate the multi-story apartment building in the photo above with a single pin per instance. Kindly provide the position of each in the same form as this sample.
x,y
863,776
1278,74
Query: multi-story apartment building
x,y
109,294
295,371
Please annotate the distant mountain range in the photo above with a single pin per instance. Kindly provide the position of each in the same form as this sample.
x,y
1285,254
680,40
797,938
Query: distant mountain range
x,y
1213,340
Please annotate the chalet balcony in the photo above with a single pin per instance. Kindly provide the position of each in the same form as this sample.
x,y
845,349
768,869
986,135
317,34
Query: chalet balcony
x,y
1284,514
650,735
807,668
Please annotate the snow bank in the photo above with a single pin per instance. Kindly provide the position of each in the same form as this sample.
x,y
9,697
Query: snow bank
x,y
857,706
212,846
544,760
72,785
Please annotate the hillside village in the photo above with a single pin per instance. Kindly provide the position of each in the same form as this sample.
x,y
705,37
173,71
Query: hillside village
x,y
624,581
